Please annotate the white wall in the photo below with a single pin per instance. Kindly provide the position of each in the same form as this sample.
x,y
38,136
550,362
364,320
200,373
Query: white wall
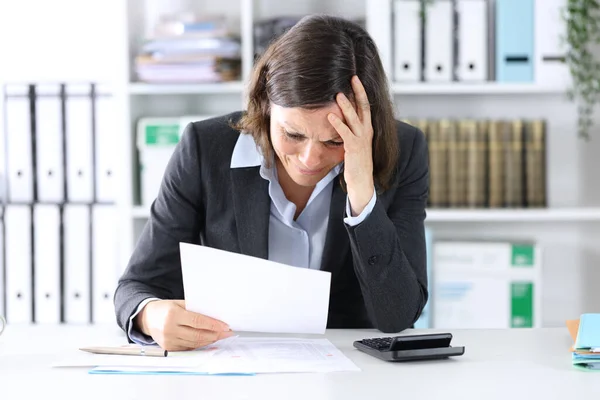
x,y
59,40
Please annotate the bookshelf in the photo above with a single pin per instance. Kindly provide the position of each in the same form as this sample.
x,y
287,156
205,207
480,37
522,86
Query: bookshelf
x,y
587,214
194,88
568,230
478,88
565,229
434,89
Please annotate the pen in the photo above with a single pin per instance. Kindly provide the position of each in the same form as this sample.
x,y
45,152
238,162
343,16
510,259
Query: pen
x,y
128,351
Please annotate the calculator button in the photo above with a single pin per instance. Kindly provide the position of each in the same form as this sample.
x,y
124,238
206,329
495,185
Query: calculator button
x,y
378,343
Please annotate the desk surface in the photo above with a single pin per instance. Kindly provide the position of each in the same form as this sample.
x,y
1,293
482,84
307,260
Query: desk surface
x,y
499,364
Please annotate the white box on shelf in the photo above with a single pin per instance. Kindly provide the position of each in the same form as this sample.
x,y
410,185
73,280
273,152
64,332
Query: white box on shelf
x,y
157,138
486,284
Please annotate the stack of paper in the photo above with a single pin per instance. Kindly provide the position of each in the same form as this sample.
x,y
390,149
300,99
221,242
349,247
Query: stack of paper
x,y
232,356
586,334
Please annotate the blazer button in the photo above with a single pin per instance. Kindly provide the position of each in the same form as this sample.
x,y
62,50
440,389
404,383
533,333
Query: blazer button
x,y
372,260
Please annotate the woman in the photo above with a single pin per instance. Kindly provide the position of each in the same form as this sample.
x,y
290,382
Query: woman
x,y
315,174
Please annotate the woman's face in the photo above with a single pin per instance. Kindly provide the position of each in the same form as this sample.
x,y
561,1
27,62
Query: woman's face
x,y
306,144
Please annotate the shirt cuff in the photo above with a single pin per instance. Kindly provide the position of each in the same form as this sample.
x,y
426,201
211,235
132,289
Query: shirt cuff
x,y
353,221
134,335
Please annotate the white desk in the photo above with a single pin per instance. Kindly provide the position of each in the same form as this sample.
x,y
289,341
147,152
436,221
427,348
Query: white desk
x,y
498,364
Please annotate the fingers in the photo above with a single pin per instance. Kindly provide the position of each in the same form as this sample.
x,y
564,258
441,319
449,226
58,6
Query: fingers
x,y
195,338
350,114
342,129
362,100
357,118
199,321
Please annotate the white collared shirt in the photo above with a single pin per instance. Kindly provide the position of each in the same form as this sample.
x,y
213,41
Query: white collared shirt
x,y
297,243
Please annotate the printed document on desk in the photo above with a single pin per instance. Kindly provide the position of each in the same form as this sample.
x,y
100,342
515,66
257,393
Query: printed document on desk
x,y
252,294
247,356
278,355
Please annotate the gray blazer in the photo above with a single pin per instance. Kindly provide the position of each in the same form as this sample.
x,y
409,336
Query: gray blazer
x,y
378,268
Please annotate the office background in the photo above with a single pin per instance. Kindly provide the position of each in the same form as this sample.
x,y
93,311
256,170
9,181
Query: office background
x,y
88,66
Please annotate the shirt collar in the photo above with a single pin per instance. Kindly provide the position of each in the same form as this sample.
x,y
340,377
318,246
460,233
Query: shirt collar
x,y
246,152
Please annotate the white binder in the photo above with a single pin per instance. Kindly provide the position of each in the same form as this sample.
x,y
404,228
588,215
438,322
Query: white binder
x,y
50,176
106,144
408,40
549,51
105,262
472,40
17,242
378,22
77,257
2,285
439,39
80,156
3,171
19,144
46,263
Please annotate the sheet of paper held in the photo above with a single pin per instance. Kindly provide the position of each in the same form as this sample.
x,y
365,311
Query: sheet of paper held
x,y
254,295
249,356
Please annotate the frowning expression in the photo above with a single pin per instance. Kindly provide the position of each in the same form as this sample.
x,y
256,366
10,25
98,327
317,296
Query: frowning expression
x,y
305,142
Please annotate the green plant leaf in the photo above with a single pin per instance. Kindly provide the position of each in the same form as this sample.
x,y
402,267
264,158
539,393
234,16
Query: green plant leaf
x,y
582,19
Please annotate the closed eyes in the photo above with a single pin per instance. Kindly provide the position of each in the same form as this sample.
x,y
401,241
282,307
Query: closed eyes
x,y
298,138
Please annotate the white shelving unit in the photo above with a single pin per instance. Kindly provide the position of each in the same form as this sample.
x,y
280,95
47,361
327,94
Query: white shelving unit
x,y
455,88
587,214
515,215
562,229
194,88
467,88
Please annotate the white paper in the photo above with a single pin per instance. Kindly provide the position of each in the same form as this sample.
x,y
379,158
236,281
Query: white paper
x,y
278,355
251,356
254,295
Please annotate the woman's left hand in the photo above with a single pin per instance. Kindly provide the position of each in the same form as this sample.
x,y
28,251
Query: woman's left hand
x,y
357,134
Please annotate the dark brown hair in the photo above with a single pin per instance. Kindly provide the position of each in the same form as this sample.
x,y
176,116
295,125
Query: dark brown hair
x,y
306,67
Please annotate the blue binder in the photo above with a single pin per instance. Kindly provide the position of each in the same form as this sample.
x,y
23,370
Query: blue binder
x,y
514,40
588,335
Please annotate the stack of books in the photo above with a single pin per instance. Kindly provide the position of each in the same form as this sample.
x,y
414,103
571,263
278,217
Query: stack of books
x,y
485,163
586,335
190,49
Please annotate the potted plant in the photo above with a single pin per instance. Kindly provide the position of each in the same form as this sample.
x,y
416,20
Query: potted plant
x,y
582,39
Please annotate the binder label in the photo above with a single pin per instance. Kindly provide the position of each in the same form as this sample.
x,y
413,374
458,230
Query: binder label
x,y
521,305
522,256
162,135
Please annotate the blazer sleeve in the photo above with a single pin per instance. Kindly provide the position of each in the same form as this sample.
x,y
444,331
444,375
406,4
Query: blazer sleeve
x,y
176,215
388,247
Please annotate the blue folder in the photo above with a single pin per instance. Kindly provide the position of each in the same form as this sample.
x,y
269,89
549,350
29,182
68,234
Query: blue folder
x,y
588,335
514,40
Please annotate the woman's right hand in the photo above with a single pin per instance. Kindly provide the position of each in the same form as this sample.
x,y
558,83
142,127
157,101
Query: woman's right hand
x,y
175,329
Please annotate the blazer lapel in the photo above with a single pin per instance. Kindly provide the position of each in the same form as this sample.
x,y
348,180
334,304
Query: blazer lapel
x,y
251,205
336,239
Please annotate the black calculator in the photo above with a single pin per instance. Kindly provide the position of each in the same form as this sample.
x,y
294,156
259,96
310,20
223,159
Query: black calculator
x,y
410,347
